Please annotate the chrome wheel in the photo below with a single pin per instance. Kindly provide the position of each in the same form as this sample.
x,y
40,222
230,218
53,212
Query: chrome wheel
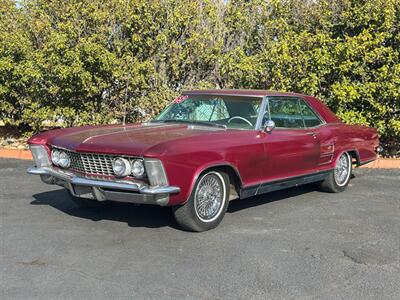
x,y
209,197
342,169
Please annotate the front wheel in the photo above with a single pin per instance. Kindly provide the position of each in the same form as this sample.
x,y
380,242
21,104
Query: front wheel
x,y
338,180
207,204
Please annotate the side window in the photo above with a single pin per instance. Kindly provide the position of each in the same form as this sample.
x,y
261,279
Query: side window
x,y
285,112
310,118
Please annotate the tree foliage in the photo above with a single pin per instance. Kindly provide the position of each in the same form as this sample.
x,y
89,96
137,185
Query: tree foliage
x,y
86,62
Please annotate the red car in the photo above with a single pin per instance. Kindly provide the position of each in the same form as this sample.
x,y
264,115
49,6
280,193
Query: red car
x,y
204,149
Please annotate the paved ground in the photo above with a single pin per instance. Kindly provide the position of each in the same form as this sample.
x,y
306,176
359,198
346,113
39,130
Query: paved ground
x,y
295,244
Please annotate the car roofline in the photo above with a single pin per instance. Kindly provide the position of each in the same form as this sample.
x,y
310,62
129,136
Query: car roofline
x,y
242,93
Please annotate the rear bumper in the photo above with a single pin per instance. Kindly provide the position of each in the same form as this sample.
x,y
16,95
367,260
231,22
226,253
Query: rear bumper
x,y
102,190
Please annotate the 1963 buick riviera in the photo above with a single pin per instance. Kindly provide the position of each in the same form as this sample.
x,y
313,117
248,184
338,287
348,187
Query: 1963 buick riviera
x,y
203,148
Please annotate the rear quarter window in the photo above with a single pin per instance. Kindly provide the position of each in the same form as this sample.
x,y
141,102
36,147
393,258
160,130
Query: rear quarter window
x,y
310,118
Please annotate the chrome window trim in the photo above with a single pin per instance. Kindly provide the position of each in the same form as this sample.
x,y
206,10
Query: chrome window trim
x,y
323,122
261,113
223,94
321,119
265,98
257,125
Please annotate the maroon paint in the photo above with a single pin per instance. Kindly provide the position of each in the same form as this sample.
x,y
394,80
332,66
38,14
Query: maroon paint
x,y
256,156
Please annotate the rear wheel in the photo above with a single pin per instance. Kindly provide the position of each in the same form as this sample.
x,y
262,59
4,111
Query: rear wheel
x,y
207,204
338,180
85,202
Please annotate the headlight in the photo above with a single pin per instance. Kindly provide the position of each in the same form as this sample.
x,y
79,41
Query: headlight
x,y
40,155
55,157
137,168
64,160
121,167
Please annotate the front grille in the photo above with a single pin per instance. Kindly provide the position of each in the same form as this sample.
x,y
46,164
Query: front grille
x,y
92,163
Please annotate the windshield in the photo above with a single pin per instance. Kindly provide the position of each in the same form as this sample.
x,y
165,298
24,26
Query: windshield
x,y
227,111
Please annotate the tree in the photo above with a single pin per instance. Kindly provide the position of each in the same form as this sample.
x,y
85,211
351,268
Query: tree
x,y
86,62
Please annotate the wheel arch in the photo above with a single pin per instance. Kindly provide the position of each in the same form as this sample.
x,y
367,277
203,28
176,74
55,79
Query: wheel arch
x,y
233,173
355,156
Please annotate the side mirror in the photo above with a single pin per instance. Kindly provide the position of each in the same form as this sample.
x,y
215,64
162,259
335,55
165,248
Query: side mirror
x,y
269,126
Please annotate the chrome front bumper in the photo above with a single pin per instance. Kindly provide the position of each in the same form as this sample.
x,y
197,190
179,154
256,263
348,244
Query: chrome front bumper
x,y
101,190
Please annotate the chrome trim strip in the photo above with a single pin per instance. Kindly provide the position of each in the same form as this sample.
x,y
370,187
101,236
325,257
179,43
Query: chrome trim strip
x,y
117,185
317,114
323,122
160,190
261,95
104,184
49,171
282,183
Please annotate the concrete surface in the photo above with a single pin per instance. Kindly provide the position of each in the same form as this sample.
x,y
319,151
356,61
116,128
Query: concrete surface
x,y
293,244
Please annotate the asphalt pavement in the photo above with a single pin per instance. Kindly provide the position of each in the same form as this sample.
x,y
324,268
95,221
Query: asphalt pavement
x,y
294,244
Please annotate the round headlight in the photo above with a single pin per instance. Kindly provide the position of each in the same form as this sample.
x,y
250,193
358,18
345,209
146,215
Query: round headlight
x,y
137,168
64,160
121,167
55,157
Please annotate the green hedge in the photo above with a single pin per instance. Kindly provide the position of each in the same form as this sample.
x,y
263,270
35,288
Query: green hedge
x,y
87,62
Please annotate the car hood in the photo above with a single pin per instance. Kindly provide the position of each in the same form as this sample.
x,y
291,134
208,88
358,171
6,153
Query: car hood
x,y
128,140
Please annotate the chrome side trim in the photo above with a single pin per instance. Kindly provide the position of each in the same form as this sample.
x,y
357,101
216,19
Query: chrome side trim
x,y
281,184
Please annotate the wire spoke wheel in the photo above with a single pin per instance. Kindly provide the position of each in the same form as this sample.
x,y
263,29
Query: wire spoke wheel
x,y
342,169
209,197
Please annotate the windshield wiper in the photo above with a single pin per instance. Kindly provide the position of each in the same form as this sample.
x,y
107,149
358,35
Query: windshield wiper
x,y
194,122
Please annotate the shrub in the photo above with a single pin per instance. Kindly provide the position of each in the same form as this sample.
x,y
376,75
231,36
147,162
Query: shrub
x,y
87,62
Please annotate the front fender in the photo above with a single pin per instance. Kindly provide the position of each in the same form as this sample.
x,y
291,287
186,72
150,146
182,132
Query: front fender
x,y
186,176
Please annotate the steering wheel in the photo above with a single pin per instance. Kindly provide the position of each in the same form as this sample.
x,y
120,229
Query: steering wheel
x,y
240,118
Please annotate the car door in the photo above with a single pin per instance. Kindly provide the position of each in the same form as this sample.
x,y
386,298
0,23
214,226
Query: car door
x,y
291,148
322,132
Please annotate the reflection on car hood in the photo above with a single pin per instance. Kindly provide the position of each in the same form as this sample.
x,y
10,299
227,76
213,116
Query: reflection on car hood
x,y
129,139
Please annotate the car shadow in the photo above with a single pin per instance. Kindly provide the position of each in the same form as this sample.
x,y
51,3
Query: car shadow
x,y
150,216
240,204
237,204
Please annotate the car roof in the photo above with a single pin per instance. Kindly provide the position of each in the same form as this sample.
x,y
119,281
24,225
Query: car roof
x,y
247,93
